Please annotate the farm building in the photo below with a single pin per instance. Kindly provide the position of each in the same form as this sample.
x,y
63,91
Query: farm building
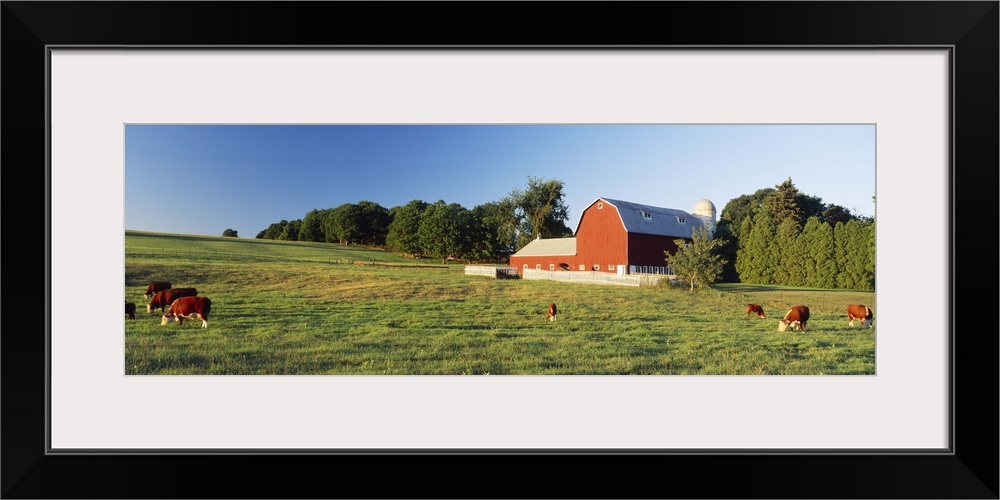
x,y
615,236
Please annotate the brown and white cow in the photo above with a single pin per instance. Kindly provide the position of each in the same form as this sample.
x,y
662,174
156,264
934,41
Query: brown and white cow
x,y
796,318
861,313
552,312
190,308
755,309
129,310
156,286
164,298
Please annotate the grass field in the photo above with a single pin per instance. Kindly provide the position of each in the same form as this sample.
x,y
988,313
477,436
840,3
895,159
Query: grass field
x,y
315,309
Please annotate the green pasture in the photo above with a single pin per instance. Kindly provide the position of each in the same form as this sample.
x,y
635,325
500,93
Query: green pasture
x,y
316,309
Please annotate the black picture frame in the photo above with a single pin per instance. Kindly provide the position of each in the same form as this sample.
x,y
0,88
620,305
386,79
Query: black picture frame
x,y
969,28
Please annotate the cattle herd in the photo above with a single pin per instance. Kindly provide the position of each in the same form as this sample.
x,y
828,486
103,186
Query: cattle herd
x,y
178,304
798,316
175,304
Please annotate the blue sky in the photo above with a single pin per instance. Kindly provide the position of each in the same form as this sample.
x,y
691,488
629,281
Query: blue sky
x,y
203,179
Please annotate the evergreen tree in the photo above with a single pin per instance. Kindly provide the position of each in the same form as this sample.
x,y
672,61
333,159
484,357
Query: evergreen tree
x,y
855,251
849,248
817,238
783,204
842,255
697,262
869,267
759,256
793,255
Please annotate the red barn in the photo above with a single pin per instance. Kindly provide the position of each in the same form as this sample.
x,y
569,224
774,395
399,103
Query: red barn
x,y
615,236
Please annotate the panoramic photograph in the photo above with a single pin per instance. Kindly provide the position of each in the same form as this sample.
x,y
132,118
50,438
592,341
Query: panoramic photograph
x,y
467,249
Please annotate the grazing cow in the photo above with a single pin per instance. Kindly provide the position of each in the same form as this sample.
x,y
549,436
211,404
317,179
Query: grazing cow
x,y
156,286
861,313
129,310
164,298
796,318
552,312
755,309
190,308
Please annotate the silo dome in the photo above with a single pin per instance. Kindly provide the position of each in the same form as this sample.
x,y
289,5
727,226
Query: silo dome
x,y
704,208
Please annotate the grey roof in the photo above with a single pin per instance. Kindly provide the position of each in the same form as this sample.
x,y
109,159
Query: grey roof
x,y
661,221
551,246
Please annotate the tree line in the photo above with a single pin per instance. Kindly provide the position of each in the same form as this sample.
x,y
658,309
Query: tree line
x,y
490,232
776,235
782,236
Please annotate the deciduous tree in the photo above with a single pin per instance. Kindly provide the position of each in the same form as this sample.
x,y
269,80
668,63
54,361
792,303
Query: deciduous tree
x,y
274,230
312,226
697,262
442,230
342,224
403,233
373,223
541,210
291,231
491,231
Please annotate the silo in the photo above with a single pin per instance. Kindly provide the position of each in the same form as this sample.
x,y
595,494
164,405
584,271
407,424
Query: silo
x,y
705,211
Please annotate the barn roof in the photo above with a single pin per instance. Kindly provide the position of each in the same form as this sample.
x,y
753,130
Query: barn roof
x,y
647,219
551,246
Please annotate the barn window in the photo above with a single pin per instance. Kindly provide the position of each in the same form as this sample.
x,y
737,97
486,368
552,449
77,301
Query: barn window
x,y
647,215
600,206
611,267
597,267
552,267
538,267
583,267
525,266
680,219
